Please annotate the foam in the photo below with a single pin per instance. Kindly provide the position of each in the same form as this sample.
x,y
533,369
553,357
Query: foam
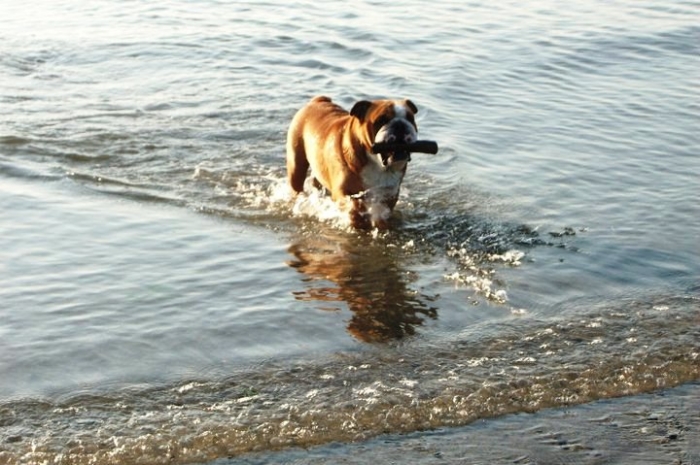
x,y
481,284
317,204
267,190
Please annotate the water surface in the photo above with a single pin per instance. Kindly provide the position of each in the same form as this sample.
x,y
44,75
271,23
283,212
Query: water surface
x,y
165,298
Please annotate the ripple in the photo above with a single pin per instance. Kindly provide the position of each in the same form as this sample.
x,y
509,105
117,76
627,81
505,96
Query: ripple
x,y
541,259
413,389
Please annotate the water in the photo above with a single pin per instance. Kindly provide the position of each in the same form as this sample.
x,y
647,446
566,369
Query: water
x,y
166,300
645,429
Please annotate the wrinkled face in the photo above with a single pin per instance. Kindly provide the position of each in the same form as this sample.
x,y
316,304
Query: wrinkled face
x,y
389,121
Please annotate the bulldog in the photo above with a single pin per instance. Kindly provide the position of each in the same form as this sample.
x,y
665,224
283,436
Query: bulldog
x,y
337,146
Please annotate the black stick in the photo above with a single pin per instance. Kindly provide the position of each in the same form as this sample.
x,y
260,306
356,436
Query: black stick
x,y
422,146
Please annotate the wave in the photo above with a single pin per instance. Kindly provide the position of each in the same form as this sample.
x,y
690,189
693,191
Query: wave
x,y
531,365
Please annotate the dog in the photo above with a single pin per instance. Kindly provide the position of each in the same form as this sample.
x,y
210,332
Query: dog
x,y
337,146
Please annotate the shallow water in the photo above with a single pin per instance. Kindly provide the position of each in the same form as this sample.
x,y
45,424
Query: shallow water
x,y
165,298
645,429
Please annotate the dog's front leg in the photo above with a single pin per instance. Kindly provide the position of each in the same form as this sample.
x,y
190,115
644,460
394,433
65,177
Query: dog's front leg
x,y
359,216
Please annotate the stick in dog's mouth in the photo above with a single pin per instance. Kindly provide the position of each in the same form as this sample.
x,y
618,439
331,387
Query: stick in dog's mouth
x,y
419,146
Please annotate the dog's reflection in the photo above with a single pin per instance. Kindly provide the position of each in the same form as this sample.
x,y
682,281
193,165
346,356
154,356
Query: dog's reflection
x,y
367,275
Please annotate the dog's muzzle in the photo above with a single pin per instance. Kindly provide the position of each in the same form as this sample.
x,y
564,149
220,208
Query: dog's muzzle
x,y
397,131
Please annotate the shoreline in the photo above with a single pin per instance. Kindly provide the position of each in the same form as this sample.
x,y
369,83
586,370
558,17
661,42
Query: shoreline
x,y
662,427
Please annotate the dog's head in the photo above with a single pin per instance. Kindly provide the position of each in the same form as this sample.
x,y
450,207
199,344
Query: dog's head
x,y
387,121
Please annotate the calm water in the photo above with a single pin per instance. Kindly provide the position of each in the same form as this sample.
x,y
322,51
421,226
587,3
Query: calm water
x,y
165,299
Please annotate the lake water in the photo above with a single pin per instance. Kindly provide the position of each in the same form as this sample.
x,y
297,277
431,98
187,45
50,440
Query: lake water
x,y
165,299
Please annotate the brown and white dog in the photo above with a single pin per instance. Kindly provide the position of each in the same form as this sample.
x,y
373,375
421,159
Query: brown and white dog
x,y
337,146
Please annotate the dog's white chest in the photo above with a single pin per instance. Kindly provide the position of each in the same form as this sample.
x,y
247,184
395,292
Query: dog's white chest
x,y
382,182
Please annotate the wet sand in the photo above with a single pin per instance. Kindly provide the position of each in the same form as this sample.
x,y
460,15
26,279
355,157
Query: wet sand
x,y
657,428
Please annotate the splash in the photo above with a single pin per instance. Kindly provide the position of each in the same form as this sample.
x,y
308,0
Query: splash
x,y
316,204
477,247
473,272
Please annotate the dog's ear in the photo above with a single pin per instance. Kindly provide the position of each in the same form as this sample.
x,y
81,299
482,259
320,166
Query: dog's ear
x,y
359,110
411,106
